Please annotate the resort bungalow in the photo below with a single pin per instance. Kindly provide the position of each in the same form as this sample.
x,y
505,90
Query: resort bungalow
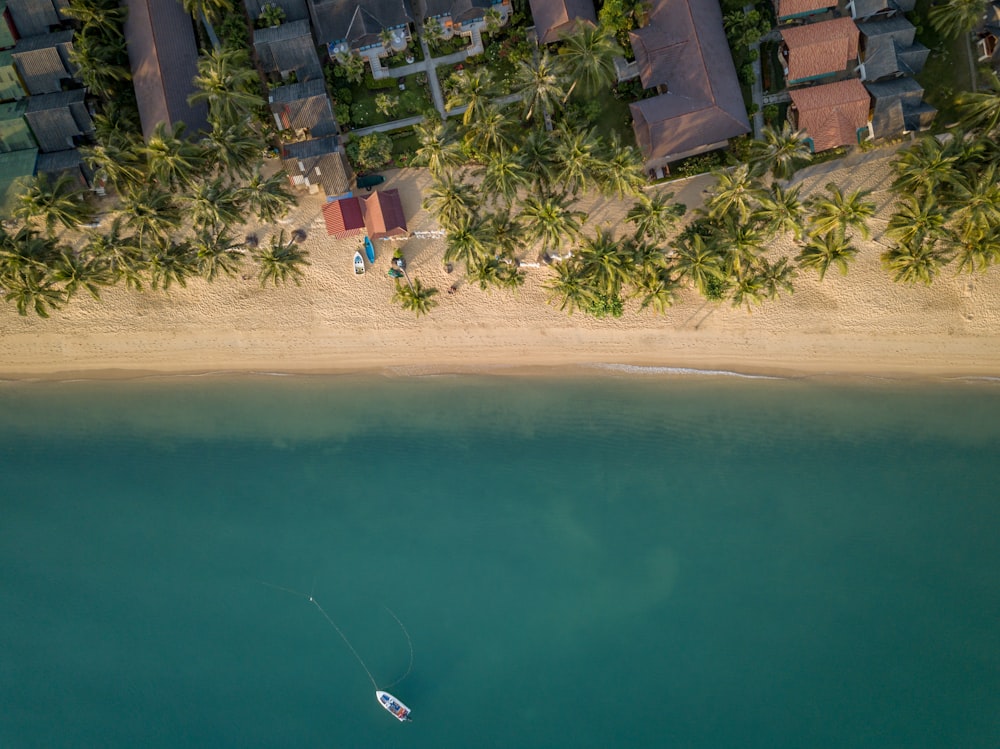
x,y
889,49
790,10
373,30
164,60
15,135
834,114
59,121
898,108
43,62
818,50
683,54
288,52
58,163
383,214
343,218
15,166
10,81
864,9
35,17
317,164
303,108
556,18
8,34
465,17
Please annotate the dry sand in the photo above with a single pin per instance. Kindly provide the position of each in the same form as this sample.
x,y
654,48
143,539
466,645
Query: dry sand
x,y
337,322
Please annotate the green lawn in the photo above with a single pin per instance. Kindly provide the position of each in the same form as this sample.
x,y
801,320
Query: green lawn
x,y
615,117
946,73
413,100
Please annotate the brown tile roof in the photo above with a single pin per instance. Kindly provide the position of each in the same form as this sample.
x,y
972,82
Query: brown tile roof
x,y
684,48
818,49
789,8
833,113
553,18
383,212
343,218
164,60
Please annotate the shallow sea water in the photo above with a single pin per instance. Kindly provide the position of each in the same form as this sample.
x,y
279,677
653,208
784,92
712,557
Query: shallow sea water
x,y
584,562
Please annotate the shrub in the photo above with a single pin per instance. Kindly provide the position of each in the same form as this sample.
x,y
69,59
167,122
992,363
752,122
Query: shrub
x,y
747,75
771,112
606,306
270,15
362,113
370,152
343,95
343,113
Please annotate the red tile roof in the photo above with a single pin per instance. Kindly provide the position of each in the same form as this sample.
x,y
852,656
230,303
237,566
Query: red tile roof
x,y
789,8
343,218
820,48
383,214
833,113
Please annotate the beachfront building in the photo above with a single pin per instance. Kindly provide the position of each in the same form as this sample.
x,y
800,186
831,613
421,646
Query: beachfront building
x,y
865,9
43,62
164,59
15,135
303,108
898,107
791,10
379,215
35,17
317,164
10,81
373,29
889,49
343,218
556,18
465,18
683,54
832,114
8,35
287,52
15,166
60,122
813,51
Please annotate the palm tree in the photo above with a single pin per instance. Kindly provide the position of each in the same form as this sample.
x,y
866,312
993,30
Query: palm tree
x,y
121,255
24,253
504,176
354,66
981,109
569,289
655,288
233,149
213,10
696,261
957,17
741,245
587,58
620,173
466,241
172,160
171,262
415,297
103,16
438,149
32,290
267,197
832,248
225,81
538,156
781,151
216,253
489,132
151,214
917,216
842,212
776,277
916,262
114,162
280,261
451,200
494,271
471,89
537,82
81,271
505,233
923,166
94,69
780,210
736,190
976,197
211,204
975,253
576,154
750,290
604,263
653,217
549,218
61,202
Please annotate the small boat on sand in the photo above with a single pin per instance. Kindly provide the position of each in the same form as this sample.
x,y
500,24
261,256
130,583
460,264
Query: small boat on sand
x,y
394,706
359,264
369,250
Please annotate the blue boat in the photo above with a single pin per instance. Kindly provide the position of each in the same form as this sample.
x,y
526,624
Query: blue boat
x,y
369,250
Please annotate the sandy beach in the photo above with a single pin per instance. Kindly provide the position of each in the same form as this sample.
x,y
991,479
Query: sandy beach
x,y
338,322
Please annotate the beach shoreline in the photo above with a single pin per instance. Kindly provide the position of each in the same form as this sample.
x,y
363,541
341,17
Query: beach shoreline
x,y
861,324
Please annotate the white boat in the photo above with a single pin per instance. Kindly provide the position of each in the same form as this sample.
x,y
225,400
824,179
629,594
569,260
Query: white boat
x,y
359,263
394,706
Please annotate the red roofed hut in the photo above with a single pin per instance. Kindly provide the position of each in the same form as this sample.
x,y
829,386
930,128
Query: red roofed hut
x,y
383,214
832,115
343,218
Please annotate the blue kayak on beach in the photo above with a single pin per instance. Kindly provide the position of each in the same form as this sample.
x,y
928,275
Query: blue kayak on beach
x,y
369,250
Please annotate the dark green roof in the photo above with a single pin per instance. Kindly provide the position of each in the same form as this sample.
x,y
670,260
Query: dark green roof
x,y
14,166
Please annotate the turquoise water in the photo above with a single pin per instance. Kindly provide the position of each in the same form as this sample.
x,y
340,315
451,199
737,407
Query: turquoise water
x,y
630,562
